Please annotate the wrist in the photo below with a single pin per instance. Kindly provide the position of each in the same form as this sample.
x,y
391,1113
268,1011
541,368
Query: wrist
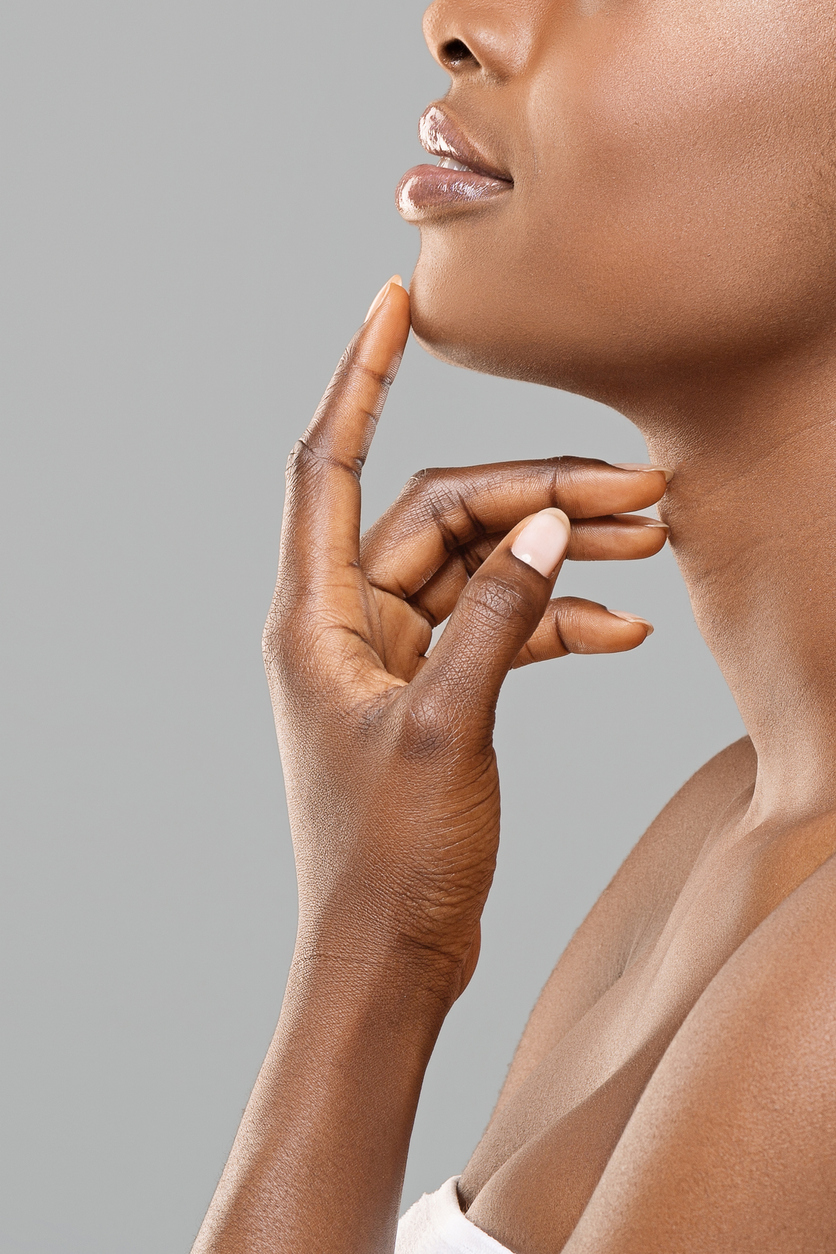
x,y
395,975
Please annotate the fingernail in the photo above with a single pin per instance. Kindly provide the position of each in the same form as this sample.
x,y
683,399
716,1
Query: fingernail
x,y
632,618
640,466
381,296
543,541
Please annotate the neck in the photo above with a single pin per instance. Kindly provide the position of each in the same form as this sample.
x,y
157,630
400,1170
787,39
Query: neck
x,y
752,512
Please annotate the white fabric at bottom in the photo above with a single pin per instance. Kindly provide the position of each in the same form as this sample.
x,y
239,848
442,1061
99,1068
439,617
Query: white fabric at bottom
x,y
436,1225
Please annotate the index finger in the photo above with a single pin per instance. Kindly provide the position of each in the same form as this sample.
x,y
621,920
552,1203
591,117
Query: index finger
x,y
321,527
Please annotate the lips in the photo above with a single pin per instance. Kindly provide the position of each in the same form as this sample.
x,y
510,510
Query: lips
x,y
463,178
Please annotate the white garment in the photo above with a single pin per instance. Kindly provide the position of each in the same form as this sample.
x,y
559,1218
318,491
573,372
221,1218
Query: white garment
x,y
436,1225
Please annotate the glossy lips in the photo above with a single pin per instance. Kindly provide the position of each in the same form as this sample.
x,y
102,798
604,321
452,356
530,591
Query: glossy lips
x,y
462,177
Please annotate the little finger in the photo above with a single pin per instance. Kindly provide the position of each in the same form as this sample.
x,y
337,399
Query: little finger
x,y
573,625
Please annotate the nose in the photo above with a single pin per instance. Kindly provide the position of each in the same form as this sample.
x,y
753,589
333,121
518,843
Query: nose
x,y
493,37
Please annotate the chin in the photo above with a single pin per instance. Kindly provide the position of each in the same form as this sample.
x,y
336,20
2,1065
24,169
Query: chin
x,y
445,338
486,331
465,328
625,353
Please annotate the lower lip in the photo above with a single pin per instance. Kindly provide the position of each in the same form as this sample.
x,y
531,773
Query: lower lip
x,y
427,190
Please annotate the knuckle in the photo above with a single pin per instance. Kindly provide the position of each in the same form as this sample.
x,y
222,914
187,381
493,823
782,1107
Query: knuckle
x,y
500,602
569,465
343,376
297,460
570,615
353,375
439,497
422,481
306,456
568,473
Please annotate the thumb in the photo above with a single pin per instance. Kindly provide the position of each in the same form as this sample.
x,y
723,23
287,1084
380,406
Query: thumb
x,y
498,610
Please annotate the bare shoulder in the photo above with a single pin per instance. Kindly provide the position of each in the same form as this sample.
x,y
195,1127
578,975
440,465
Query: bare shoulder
x,y
742,1107
651,877
635,904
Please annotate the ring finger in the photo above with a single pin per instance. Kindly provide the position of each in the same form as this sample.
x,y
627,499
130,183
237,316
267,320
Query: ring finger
x,y
619,537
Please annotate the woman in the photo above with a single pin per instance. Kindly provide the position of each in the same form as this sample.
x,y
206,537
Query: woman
x,y
635,202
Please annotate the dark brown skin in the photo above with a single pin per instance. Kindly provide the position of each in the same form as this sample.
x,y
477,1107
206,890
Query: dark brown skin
x,y
668,247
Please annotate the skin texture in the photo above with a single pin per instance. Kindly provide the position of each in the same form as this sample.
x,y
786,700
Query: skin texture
x,y
668,247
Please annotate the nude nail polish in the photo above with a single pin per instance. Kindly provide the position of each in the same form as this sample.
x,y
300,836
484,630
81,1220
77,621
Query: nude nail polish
x,y
632,618
381,296
543,541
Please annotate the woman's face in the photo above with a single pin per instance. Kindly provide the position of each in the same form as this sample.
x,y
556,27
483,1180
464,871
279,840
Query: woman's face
x,y
670,194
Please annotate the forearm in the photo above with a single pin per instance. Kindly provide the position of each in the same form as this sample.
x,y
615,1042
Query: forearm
x,y
317,1165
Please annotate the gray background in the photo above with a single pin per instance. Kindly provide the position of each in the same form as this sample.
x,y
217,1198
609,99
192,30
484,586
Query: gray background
x,y
196,211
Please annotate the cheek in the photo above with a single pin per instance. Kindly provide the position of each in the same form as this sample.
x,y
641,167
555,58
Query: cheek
x,y
675,202
696,167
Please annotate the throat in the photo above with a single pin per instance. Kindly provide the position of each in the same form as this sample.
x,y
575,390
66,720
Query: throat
x,y
752,512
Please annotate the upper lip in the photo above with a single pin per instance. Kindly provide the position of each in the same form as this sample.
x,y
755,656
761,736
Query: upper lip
x,y
441,137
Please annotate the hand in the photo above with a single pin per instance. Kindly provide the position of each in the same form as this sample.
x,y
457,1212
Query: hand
x,y
387,750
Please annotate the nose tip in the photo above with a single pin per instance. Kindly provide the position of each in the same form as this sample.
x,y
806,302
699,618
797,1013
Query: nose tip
x,y
472,35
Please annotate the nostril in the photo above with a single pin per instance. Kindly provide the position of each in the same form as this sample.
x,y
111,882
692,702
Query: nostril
x,y
455,53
